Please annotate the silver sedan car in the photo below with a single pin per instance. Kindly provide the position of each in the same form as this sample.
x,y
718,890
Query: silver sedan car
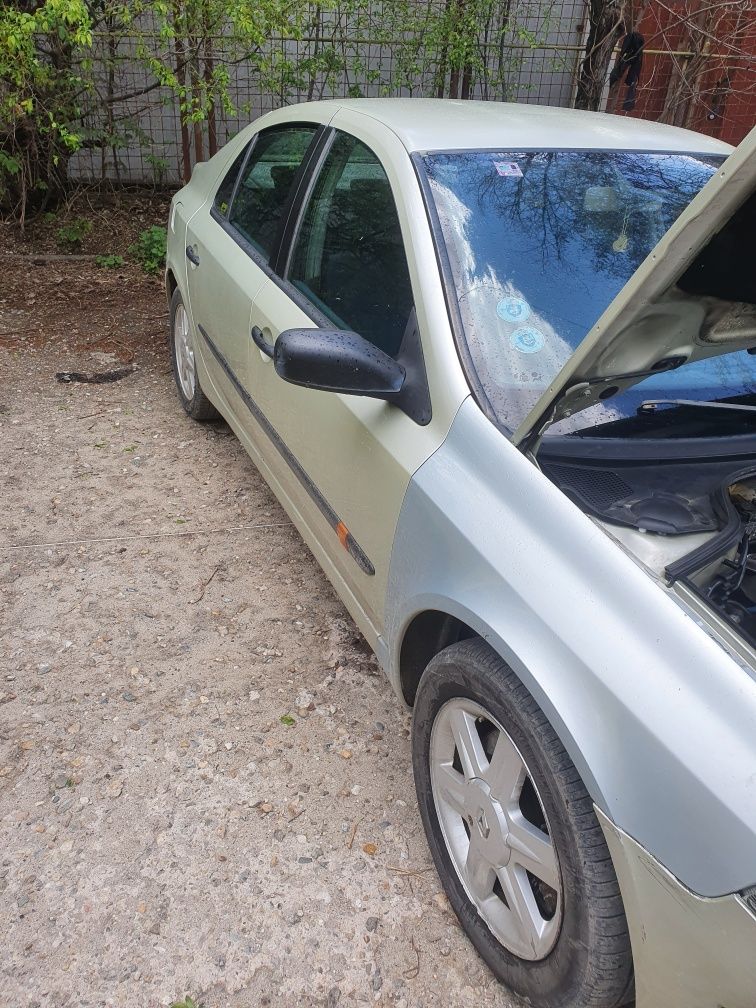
x,y
497,364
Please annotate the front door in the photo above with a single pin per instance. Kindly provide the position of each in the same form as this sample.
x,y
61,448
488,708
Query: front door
x,y
346,461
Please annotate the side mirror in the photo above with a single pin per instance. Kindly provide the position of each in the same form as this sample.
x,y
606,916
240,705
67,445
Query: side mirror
x,y
337,360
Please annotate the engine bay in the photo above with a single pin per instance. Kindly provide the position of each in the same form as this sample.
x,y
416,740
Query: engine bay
x,y
672,477
688,522
717,566
728,584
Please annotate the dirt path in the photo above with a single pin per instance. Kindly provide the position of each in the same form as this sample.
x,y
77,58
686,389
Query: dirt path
x,y
205,782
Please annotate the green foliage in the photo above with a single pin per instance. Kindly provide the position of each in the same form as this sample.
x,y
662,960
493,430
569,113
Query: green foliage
x,y
72,234
110,261
159,167
149,249
40,90
9,166
287,719
187,1002
60,64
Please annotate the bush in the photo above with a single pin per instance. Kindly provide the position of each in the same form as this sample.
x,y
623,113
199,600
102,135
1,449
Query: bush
x,y
149,249
71,235
109,261
40,98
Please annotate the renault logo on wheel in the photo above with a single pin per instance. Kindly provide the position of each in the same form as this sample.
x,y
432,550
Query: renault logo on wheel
x,y
482,824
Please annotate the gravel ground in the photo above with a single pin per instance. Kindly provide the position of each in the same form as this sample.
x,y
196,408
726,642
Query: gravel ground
x,y
205,780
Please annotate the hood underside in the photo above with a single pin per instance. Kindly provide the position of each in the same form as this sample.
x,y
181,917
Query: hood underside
x,y
692,298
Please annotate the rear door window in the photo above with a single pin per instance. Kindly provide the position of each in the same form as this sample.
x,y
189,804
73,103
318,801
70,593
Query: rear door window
x,y
263,192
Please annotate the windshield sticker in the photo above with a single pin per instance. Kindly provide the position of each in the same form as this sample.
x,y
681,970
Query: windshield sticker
x,y
513,309
526,339
508,169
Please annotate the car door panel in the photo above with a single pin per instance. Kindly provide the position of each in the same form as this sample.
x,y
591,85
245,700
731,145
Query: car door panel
x,y
358,454
275,468
228,247
338,442
222,289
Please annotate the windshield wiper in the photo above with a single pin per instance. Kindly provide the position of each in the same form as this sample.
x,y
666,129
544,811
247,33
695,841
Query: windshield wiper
x,y
651,404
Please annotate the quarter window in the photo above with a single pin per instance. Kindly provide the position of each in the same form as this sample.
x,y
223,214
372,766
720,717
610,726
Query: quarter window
x,y
349,259
226,188
263,191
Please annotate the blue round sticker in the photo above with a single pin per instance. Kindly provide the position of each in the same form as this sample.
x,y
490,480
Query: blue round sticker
x,y
526,339
513,309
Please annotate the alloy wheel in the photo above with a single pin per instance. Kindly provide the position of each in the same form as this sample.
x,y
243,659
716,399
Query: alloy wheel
x,y
495,828
185,367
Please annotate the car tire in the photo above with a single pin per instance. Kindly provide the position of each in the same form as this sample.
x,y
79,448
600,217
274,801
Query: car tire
x,y
193,399
564,945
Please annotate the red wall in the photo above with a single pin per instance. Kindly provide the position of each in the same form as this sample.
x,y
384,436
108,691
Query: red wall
x,y
725,105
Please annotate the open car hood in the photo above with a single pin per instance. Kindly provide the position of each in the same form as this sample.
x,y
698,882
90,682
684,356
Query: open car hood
x,y
694,296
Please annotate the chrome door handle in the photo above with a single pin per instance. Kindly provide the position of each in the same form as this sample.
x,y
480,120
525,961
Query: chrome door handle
x,y
192,256
260,342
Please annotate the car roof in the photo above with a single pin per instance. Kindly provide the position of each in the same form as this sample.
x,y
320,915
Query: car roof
x,y
430,124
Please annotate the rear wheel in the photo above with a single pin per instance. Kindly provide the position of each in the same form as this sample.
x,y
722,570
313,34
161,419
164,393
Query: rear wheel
x,y
514,836
193,399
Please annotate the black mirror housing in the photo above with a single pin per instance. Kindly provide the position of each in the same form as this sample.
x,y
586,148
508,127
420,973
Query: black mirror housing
x,y
337,360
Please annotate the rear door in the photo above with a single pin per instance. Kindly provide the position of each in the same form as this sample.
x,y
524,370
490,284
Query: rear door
x,y
229,245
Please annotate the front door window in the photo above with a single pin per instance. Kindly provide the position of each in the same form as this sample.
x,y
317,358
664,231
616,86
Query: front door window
x,y
348,259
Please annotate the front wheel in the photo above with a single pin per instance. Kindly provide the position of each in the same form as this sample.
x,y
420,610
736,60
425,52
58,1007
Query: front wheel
x,y
514,836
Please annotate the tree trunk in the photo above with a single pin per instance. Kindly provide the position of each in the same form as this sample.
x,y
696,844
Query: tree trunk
x,y
606,20
212,129
180,46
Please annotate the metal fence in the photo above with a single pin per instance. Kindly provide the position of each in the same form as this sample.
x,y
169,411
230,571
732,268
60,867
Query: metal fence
x,y
532,53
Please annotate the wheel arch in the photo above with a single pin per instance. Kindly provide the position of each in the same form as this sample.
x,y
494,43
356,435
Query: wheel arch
x,y
427,633
171,283
437,622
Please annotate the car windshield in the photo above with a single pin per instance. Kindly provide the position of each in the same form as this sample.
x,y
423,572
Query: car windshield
x,y
539,243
